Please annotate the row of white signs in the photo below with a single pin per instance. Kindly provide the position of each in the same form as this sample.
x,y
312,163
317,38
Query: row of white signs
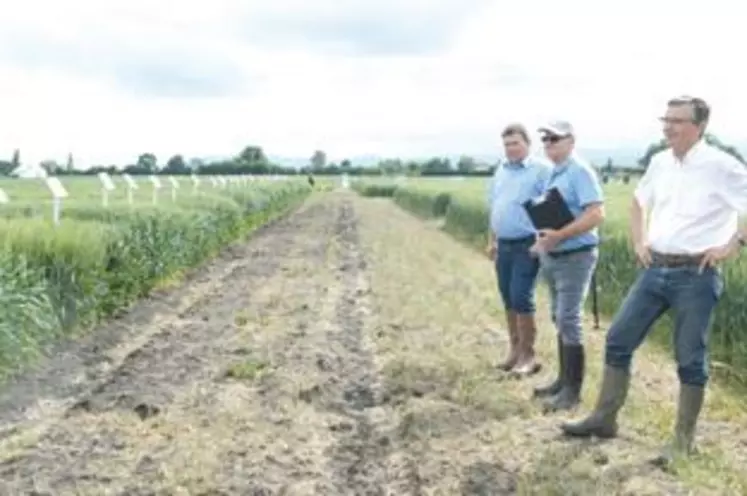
x,y
58,190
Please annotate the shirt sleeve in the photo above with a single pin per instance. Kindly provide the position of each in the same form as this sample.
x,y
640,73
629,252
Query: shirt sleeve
x,y
588,187
734,185
644,190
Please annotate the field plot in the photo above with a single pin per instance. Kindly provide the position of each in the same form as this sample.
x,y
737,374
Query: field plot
x,y
348,348
56,280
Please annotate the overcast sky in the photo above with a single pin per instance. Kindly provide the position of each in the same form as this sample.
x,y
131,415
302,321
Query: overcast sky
x,y
107,80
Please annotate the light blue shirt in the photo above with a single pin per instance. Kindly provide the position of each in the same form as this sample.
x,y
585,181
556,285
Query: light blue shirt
x,y
511,186
579,185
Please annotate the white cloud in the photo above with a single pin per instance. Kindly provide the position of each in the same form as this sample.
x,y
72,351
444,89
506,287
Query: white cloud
x,y
356,77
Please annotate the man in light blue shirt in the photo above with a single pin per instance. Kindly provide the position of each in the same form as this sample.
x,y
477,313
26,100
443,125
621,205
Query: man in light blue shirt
x,y
515,181
568,257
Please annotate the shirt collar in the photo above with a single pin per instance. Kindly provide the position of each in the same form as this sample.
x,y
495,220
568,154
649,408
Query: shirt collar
x,y
691,153
519,163
565,163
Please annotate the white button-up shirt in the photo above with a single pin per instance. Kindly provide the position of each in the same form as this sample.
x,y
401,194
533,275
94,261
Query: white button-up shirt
x,y
693,204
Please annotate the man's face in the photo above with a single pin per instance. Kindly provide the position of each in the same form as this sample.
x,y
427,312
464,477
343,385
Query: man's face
x,y
679,127
557,148
515,146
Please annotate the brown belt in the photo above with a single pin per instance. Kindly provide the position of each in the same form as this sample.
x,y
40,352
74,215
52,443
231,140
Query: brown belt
x,y
675,260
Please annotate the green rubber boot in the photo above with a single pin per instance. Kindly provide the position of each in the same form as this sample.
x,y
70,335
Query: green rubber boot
x,y
602,422
688,410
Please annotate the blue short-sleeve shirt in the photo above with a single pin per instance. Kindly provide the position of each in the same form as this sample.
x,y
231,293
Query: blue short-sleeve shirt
x,y
578,183
511,186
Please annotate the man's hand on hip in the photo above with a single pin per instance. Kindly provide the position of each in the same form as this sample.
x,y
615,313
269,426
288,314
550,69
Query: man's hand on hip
x,y
643,254
719,254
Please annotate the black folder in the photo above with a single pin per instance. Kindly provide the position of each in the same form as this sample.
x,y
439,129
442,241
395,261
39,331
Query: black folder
x,y
550,213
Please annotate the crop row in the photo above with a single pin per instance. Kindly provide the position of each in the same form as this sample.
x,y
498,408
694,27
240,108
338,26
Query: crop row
x,y
58,279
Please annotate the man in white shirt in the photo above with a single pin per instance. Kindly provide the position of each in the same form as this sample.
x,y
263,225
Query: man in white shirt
x,y
695,194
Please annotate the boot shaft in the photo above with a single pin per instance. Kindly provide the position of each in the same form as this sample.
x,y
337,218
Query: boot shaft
x,y
574,365
688,410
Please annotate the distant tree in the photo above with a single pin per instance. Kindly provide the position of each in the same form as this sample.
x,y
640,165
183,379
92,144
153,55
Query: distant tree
x,y
253,155
466,164
147,162
318,160
69,165
608,166
195,164
175,165
16,160
436,165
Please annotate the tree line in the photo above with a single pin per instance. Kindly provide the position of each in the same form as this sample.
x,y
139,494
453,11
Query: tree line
x,y
253,160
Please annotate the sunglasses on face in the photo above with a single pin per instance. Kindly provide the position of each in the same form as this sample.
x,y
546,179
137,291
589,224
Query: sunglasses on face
x,y
551,138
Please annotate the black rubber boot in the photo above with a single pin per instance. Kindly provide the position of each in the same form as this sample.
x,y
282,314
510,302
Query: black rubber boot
x,y
569,395
554,387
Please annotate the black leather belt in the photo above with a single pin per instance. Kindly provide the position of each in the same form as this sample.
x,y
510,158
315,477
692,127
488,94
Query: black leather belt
x,y
517,241
580,249
675,260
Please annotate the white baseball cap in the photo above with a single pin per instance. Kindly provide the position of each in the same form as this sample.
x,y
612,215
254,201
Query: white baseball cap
x,y
561,129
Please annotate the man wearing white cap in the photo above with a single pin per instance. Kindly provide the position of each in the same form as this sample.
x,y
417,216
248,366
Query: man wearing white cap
x,y
568,259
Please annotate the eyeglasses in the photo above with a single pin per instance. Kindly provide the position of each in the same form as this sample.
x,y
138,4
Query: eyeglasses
x,y
675,120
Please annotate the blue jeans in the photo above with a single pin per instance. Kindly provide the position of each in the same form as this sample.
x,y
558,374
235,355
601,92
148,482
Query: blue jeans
x,y
517,270
692,298
568,278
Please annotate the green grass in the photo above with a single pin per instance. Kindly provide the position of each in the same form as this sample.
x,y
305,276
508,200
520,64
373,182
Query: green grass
x,y
466,217
57,280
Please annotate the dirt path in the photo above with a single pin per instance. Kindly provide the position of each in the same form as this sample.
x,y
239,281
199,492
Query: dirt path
x,y
346,349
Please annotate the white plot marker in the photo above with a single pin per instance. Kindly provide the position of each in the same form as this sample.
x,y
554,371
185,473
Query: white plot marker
x,y
58,193
156,186
131,186
174,187
107,185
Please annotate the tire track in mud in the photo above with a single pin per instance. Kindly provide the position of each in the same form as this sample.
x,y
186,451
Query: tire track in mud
x,y
358,459
103,440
